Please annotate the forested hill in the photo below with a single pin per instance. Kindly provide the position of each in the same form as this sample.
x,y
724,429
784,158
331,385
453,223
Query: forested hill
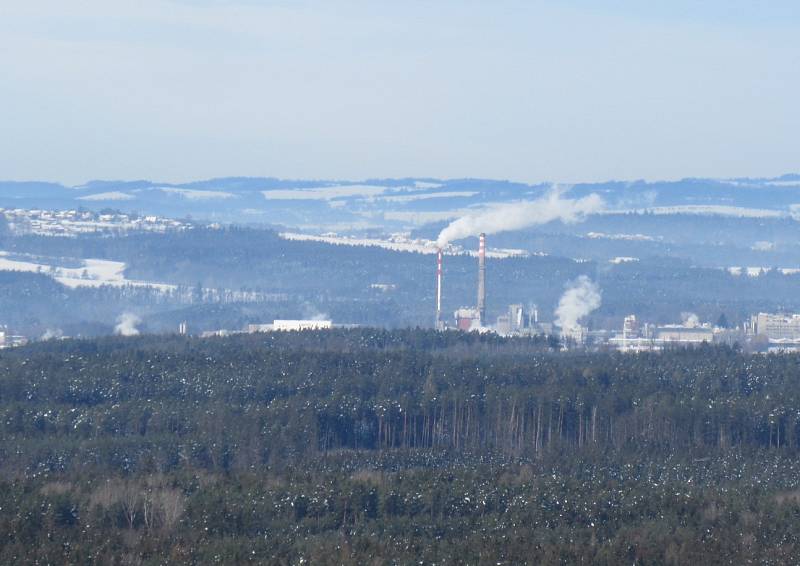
x,y
229,278
392,447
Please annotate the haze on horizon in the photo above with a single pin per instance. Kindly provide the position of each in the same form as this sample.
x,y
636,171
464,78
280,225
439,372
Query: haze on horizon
x,y
529,91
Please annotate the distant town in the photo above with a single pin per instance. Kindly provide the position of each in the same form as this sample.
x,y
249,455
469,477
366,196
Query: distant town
x,y
75,222
763,331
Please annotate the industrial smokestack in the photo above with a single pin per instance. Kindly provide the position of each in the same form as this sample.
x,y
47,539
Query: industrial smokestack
x,y
439,289
482,280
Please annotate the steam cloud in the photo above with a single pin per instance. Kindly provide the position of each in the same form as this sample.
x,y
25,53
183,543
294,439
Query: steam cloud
x,y
519,215
581,297
52,333
310,312
690,319
126,324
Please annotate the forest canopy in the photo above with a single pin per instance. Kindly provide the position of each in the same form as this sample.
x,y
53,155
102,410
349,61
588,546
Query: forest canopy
x,y
394,446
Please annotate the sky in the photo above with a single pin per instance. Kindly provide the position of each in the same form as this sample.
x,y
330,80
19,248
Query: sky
x,y
524,90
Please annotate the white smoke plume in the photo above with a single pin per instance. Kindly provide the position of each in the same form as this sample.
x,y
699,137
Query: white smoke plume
x,y
581,297
126,324
310,312
52,334
690,320
519,215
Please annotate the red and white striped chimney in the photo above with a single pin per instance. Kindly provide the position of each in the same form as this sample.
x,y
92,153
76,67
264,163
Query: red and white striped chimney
x,y
439,288
482,279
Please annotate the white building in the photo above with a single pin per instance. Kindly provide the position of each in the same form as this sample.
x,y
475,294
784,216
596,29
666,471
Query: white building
x,y
630,327
296,325
576,334
776,327
290,326
680,334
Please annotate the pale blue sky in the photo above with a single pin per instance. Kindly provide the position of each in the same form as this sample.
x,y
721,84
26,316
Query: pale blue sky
x,y
531,91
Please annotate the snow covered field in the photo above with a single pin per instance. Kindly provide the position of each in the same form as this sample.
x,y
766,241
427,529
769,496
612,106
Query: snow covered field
x,y
109,196
756,271
625,237
401,243
191,194
326,193
91,272
749,271
707,210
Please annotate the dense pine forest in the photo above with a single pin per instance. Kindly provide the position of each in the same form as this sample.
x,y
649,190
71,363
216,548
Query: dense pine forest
x,y
395,447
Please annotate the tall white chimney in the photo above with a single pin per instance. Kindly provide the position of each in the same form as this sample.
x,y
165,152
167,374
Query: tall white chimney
x,y
482,280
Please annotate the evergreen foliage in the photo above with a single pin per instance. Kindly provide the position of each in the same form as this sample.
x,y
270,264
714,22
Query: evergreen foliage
x,y
392,447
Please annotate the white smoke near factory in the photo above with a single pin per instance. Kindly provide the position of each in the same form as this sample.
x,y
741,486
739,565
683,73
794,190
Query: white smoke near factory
x,y
52,334
126,324
520,215
310,312
582,296
690,320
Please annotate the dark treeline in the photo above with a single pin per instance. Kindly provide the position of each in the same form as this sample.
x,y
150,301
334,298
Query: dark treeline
x,y
395,446
406,389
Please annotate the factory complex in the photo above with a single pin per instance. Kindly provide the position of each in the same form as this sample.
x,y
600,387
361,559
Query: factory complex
x,y
769,332
8,340
762,332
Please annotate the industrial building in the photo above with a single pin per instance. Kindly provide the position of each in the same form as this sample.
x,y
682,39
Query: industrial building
x,y
290,326
636,337
780,330
681,334
776,327
630,327
297,325
10,341
466,318
521,321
